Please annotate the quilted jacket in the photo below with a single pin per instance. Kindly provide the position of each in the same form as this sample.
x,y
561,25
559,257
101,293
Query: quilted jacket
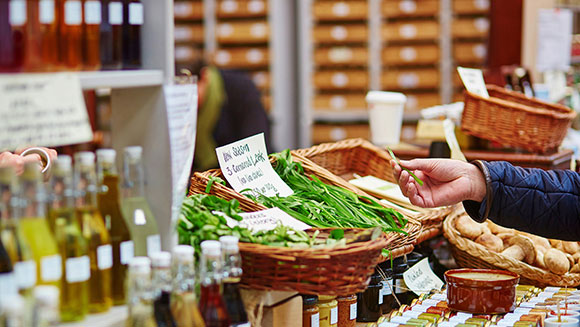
x,y
545,203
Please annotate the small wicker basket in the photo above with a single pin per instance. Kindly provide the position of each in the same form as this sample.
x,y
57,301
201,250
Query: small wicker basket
x,y
469,254
512,119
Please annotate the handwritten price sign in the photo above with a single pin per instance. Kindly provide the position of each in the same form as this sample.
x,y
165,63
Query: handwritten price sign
x,y
421,279
245,165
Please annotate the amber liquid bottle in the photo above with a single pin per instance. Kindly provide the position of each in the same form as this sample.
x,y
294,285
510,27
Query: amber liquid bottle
x,y
12,35
91,34
32,58
132,22
48,35
70,13
111,35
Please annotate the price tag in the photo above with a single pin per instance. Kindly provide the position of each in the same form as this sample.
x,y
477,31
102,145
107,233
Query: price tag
x,y
421,279
25,272
315,320
136,13
105,257
333,316
473,81
153,244
127,250
115,13
51,268
388,324
46,11
386,290
78,269
93,12
353,310
245,165
267,220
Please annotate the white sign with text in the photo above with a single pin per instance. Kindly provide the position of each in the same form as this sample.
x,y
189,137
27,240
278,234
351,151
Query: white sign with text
x,y
473,81
267,220
421,279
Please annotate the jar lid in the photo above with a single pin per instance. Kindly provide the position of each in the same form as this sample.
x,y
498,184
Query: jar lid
x,y
326,298
376,279
309,299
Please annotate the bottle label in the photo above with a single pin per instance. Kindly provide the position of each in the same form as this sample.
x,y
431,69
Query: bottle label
x,y
46,11
17,12
105,257
115,13
153,244
353,311
386,290
25,272
51,268
7,285
127,250
315,320
333,315
92,12
136,13
73,12
78,269
400,286
380,296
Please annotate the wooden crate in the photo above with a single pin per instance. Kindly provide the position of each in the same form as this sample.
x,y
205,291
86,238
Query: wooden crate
x,y
241,8
471,7
242,57
411,31
339,102
470,28
409,8
342,33
470,53
261,79
246,32
341,80
340,10
353,56
322,133
188,33
411,55
188,10
410,79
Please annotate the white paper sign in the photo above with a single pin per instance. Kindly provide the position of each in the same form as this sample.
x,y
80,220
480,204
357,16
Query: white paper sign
x,y
473,81
267,220
245,165
554,39
421,279
42,110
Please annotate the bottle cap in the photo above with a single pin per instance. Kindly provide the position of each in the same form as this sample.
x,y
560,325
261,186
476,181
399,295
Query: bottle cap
x,y
140,265
107,155
63,161
85,158
134,151
161,259
47,295
183,253
211,248
309,299
229,243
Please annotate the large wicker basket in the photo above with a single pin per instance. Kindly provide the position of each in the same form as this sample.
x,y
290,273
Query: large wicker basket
x,y
469,254
512,119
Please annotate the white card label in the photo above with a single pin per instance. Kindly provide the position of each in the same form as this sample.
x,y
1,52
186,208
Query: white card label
x,y
92,12
421,279
153,244
115,13
267,220
33,111
473,81
78,269
386,290
127,250
315,320
245,165
136,13
17,12
25,272
105,257
333,316
51,268
353,311
46,11
554,35
380,297
73,13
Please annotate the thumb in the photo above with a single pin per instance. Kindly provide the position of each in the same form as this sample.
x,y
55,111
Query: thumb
x,y
418,164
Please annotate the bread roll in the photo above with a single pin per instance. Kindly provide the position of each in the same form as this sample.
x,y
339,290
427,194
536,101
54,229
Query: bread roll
x,y
497,229
556,261
491,242
575,269
525,244
467,227
576,257
515,252
571,247
539,241
540,260
570,259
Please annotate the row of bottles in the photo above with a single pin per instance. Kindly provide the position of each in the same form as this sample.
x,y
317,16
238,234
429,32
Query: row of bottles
x,y
80,236
53,35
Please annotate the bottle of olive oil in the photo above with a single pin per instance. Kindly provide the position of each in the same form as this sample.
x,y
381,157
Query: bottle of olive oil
x,y
74,295
110,207
31,213
183,301
139,294
94,231
135,208
16,246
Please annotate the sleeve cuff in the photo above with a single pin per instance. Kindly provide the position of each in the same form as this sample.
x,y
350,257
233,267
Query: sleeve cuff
x,y
479,211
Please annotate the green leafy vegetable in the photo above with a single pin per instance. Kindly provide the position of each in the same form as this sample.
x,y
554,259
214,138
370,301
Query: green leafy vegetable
x,y
417,179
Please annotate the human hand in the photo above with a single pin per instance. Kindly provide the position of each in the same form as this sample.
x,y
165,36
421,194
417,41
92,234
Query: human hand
x,y
446,182
51,152
18,162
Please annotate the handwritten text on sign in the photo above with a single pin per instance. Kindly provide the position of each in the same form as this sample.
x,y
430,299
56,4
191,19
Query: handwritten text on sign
x,y
42,109
473,81
267,220
245,165
421,279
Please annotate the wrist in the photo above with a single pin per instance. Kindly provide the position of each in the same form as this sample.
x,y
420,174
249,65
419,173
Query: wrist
x,y
478,183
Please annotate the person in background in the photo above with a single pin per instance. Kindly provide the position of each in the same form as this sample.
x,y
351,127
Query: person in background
x,y
229,109
545,203
17,161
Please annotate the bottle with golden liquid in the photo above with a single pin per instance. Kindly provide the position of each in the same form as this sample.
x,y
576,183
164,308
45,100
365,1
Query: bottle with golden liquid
x,y
183,300
48,35
32,58
110,208
74,295
91,34
111,34
94,231
132,21
12,35
70,14
31,213
16,245
139,294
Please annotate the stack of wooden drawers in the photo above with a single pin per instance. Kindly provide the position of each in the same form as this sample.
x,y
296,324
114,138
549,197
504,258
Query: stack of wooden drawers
x,y
189,31
411,51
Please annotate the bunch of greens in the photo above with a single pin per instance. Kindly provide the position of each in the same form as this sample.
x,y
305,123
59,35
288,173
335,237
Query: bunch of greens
x,y
321,205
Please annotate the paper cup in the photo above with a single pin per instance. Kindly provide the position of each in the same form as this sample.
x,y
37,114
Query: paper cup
x,y
565,322
385,116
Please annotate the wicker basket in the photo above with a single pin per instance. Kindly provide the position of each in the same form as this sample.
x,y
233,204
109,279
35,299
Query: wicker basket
x,y
469,254
512,119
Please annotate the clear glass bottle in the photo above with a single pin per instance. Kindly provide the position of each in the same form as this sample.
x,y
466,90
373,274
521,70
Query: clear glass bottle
x,y
70,14
139,296
132,21
14,311
111,47
211,304
135,207
94,231
108,199
91,34
183,300
46,312
161,276
232,274
73,248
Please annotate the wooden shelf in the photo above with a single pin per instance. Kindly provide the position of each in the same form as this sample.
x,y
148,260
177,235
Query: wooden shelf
x,y
121,79
115,317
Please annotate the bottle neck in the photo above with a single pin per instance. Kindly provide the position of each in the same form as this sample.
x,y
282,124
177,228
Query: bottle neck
x,y
183,277
33,197
161,280
105,168
210,270
139,289
232,265
8,203
62,188
85,186
134,179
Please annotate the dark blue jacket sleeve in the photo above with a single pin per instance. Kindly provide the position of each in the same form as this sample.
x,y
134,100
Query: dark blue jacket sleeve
x,y
545,203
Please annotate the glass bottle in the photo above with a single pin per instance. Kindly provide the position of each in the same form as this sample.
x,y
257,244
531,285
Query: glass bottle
x,y
232,274
94,231
91,34
310,311
16,245
13,311
139,294
32,59
132,22
369,302
70,13
211,304
161,276
46,306
48,35
34,226
110,207
183,300
8,286
73,248
111,46
12,35
328,307
136,210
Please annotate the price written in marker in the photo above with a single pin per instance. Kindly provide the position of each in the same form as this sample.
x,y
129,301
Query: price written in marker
x,y
421,279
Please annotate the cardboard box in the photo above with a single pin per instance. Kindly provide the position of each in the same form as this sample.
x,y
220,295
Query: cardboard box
x,y
242,57
471,7
339,102
188,33
243,32
411,79
470,53
411,55
341,80
322,133
188,10
341,56
470,28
